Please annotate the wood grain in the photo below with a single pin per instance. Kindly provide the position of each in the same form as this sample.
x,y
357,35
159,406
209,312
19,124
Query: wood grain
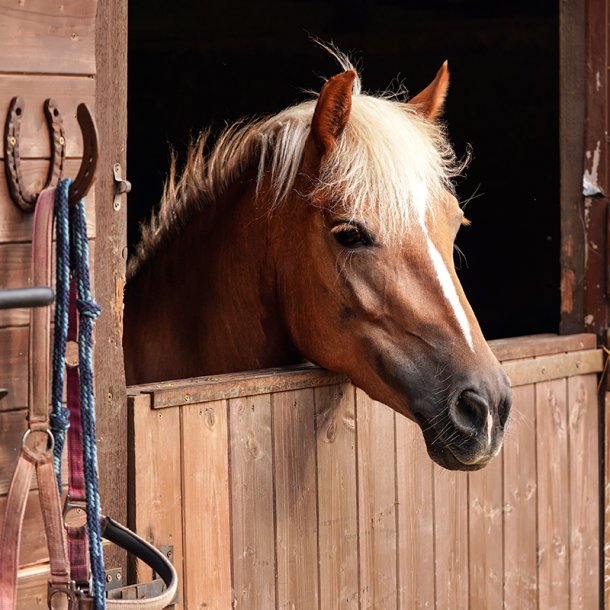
x,y
553,493
485,531
584,492
294,446
377,503
451,538
205,506
15,225
519,348
337,496
14,367
520,503
155,488
415,497
68,92
32,587
252,502
39,36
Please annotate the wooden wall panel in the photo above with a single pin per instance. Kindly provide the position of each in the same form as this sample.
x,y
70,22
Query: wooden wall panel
x,y
415,497
156,495
337,496
520,503
451,539
584,492
553,493
294,447
252,502
37,36
377,503
14,368
205,506
485,530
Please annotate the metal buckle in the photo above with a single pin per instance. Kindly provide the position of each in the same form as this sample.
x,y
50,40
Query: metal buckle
x,y
80,507
36,451
73,594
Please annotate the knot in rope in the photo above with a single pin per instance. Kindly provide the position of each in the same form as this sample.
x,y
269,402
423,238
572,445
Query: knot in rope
x,y
90,309
60,421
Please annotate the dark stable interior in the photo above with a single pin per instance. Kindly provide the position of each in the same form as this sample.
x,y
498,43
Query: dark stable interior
x,y
198,63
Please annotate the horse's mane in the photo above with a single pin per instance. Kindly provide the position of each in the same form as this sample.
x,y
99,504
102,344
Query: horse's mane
x,y
390,162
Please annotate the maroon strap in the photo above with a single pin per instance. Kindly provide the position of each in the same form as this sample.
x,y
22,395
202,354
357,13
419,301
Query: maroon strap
x,y
77,533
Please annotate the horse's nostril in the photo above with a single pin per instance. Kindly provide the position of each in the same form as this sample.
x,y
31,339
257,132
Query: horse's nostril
x,y
469,412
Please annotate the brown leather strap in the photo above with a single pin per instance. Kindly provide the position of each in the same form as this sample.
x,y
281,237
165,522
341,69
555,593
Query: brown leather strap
x,y
11,531
40,317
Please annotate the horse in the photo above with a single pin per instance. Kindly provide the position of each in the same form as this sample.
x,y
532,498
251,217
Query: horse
x,y
323,233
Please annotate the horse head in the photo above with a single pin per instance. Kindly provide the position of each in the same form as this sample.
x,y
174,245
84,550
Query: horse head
x,y
366,274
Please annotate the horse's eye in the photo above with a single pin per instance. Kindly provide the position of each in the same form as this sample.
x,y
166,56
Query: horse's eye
x,y
349,235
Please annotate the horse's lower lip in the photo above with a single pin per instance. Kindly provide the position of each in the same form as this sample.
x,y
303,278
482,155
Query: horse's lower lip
x,y
441,452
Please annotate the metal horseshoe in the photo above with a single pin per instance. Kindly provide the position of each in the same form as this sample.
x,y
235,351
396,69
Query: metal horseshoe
x,y
20,194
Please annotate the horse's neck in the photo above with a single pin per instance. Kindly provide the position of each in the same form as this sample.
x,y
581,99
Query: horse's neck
x,y
207,303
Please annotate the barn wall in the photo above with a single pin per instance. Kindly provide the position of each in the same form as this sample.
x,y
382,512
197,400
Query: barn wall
x,y
293,489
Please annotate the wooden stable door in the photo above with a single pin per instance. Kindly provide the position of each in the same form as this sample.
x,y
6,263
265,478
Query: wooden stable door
x,y
73,51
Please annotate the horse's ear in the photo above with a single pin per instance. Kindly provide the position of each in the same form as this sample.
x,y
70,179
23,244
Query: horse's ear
x,y
430,101
332,111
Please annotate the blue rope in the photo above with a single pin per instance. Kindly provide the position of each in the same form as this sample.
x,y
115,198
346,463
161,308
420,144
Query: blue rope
x,y
89,311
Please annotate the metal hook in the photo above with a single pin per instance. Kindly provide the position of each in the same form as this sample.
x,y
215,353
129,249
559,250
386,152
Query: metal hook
x,y
22,197
86,174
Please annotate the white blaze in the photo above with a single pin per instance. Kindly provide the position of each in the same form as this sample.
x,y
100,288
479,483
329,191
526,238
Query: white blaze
x,y
448,286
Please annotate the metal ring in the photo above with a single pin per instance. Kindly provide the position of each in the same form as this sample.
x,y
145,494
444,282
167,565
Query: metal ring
x,y
49,434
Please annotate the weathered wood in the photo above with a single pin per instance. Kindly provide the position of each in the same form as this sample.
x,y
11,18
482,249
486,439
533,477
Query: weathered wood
x,y
32,587
205,506
15,225
155,496
377,503
13,425
252,502
68,92
451,538
38,36
519,348
485,530
572,36
584,492
14,368
520,503
15,270
559,366
294,455
234,385
337,496
553,493
415,497
109,269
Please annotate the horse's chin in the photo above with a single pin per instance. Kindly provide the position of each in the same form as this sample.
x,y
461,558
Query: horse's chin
x,y
442,454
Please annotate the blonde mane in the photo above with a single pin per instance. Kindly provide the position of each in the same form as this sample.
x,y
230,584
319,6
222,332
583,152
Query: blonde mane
x,y
390,165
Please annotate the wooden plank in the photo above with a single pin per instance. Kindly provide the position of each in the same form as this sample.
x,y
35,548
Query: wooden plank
x,y
519,348
451,538
68,92
485,532
205,506
39,36
111,251
235,385
584,492
32,586
252,502
13,425
155,486
377,503
572,36
559,366
294,446
15,271
14,367
15,225
415,497
337,496
520,502
553,493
